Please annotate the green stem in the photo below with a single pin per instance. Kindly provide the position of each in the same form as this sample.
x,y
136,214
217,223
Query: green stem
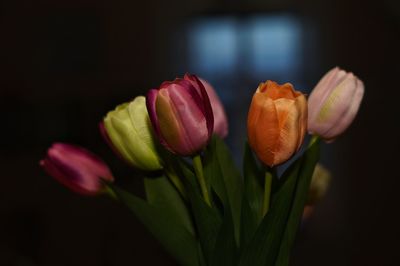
x,y
267,192
314,138
198,168
176,181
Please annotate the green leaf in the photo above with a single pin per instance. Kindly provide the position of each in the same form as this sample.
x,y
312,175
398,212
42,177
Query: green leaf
x,y
309,161
225,179
161,193
166,227
248,224
263,248
225,251
253,183
207,220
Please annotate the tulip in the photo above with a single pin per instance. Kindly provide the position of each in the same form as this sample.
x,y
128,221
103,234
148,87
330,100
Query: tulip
x,y
181,116
129,132
77,168
277,122
220,118
319,184
334,103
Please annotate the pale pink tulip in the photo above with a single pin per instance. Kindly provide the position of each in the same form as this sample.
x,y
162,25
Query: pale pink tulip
x,y
334,103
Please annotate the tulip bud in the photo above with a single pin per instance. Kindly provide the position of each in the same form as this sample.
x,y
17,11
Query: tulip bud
x,y
129,129
181,116
319,184
277,122
220,119
334,103
77,168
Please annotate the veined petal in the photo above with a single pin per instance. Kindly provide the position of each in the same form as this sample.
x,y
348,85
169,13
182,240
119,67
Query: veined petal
x,y
151,99
336,105
263,127
220,117
288,115
301,105
170,127
191,120
346,119
142,139
119,133
323,89
205,101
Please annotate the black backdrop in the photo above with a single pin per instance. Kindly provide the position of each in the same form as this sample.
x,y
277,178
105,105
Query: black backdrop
x,y
63,64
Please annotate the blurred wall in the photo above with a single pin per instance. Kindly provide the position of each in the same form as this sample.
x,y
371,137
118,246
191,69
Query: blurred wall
x,y
64,64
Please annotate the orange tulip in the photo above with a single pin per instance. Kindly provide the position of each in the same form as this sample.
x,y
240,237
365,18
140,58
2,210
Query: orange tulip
x,y
277,122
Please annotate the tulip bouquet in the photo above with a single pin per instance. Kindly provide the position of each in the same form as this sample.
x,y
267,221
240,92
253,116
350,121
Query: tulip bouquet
x,y
200,207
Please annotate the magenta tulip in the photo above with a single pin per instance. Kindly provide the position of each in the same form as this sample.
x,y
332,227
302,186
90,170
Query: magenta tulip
x,y
220,118
334,103
181,116
77,168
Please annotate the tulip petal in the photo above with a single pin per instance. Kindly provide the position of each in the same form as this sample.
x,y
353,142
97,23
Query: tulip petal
x,y
275,91
186,130
138,152
347,118
117,130
141,138
301,105
220,117
80,156
263,127
204,102
74,171
73,180
336,105
76,168
151,99
322,91
288,116
107,139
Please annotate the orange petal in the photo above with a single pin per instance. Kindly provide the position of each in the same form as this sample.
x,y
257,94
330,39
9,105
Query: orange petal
x,y
288,114
263,127
275,91
301,105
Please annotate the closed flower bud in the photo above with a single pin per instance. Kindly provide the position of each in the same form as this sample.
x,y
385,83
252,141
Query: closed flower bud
x,y
319,184
129,130
77,168
334,103
220,119
181,116
277,122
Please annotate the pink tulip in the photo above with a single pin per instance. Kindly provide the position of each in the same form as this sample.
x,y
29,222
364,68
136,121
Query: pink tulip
x,y
181,116
220,119
76,168
334,103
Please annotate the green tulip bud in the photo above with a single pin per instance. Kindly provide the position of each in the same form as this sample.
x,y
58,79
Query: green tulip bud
x,y
129,129
319,184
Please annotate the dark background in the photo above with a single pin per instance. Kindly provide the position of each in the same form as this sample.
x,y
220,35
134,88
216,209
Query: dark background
x,y
64,64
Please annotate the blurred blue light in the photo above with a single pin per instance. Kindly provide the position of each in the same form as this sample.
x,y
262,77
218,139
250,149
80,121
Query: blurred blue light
x,y
213,45
274,45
